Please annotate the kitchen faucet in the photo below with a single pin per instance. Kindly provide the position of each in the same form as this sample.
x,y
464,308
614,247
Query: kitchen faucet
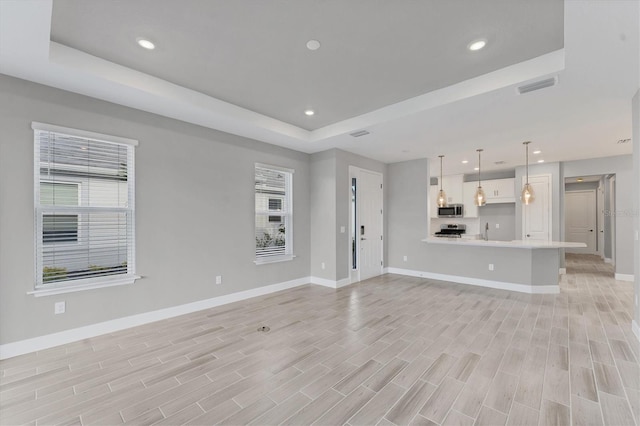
x,y
486,232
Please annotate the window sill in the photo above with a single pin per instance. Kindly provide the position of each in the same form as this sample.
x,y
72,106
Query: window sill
x,y
61,288
274,259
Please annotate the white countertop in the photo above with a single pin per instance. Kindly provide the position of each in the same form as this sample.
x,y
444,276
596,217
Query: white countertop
x,y
530,244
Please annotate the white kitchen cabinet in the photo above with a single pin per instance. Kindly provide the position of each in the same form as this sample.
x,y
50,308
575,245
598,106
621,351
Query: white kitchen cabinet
x,y
452,186
500,190
468,191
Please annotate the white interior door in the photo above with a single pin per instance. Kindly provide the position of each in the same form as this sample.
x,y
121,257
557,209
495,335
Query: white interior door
x,y
580,220
369,224
536,217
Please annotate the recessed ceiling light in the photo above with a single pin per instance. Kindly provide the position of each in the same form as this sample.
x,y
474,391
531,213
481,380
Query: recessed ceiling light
x,y
477,45
143,42
313,45
465,161
537,152
309,112
579,179
540,161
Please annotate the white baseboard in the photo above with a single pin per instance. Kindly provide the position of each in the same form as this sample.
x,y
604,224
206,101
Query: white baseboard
x,y
607,260
521,288
563,271
624,277
9,350
636,329
330,283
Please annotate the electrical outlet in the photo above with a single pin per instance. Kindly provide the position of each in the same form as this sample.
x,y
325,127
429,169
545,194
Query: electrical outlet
x,y
218,279
491,266
497,226
59,308
405,258
342,229
322,265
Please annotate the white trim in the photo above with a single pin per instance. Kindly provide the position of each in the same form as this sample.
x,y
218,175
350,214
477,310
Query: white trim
x,y
608,260
70,287
9,350
343,282
636,329
563,271
279,168
83,133
330,283
274,259
624,277
521,288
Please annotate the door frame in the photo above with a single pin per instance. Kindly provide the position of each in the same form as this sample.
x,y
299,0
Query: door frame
x,y
354,274
600,218
612,209
593,191
550,209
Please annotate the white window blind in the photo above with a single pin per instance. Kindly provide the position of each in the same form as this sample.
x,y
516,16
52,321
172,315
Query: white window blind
x,y
274,213
84,207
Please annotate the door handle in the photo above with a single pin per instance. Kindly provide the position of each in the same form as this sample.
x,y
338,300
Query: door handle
x,y
590,230
362,239
528,235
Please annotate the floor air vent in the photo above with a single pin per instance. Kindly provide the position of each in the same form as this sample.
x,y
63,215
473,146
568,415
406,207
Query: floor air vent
x,y
542,84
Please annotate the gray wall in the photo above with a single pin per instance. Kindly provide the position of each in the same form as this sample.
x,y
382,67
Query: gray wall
x,y
622,167
323,214
194,212
503,214
635,108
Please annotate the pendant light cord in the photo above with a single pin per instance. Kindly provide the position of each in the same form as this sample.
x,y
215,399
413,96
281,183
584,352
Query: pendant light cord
x,y
479,167
441,171
526,144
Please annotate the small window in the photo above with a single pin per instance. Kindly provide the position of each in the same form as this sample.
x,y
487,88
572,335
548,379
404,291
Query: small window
x,y
84,208
273,233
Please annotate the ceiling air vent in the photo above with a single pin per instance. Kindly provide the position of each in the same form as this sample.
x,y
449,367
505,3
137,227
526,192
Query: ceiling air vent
x,y
542,84
359,133
500,162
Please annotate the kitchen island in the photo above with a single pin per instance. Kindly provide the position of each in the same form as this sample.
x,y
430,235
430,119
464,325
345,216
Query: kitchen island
x,y
523,244
523,266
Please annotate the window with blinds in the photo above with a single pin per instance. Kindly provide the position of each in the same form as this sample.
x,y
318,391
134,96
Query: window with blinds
x,y
274,213
84,207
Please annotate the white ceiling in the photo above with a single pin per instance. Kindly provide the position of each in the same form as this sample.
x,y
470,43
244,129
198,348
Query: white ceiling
x,y
253,53
582,117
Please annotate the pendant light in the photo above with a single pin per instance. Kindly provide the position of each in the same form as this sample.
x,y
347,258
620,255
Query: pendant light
x,y
527,196
442,197
479,199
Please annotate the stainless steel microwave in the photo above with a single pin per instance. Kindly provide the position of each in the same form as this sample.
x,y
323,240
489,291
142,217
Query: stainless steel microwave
x,y
452,210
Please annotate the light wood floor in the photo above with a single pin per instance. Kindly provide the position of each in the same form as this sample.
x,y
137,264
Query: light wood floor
x,y
391,350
